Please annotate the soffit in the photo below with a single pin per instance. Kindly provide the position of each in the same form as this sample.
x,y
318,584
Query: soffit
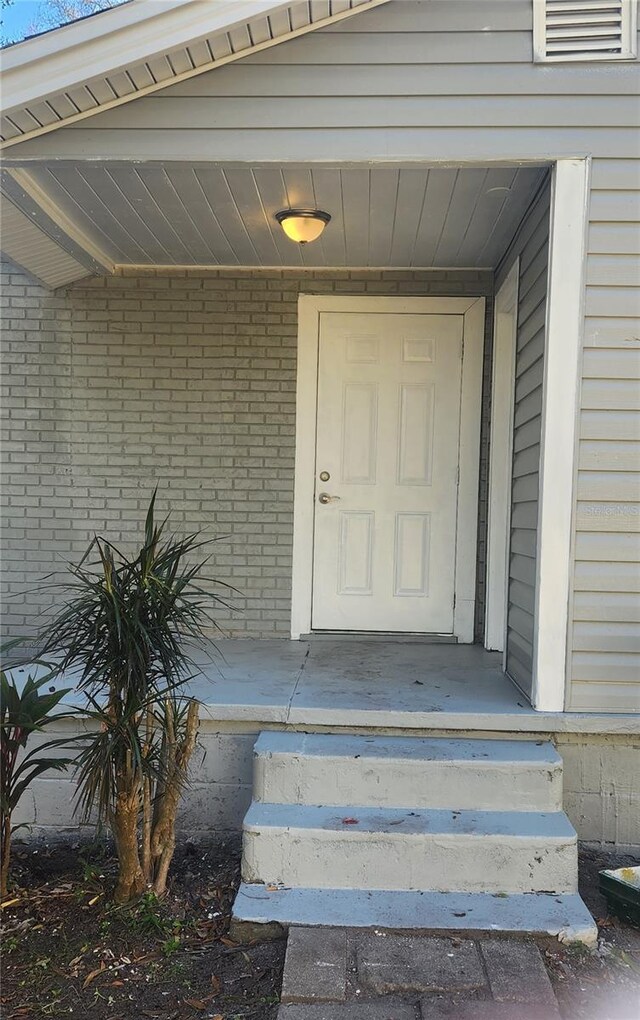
x,y
176,214
96,63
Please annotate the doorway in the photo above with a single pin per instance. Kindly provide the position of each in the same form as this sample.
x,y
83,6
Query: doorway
x,y
389,394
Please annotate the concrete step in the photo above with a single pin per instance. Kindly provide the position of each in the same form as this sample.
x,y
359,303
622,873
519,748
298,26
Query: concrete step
x,y
334,769
564,916
422,848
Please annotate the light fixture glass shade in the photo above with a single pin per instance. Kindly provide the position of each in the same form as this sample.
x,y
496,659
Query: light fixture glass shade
x,y
303,225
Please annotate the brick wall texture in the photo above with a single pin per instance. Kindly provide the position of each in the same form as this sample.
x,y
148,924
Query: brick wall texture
x,y
182,380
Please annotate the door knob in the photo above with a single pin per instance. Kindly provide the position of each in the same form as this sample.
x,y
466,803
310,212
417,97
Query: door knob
x,y
325,498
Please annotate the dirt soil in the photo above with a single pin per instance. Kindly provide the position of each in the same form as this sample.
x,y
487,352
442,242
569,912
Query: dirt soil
x,y
601,985
68,951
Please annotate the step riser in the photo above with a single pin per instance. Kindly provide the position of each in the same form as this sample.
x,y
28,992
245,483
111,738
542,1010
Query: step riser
x,y
340,781
488,864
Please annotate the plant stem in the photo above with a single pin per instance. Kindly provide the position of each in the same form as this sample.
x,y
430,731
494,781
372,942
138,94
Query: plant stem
x,y
6,853
124,823
147,806
178,755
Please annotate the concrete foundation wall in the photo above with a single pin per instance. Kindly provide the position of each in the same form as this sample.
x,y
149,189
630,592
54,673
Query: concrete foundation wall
x,y
182,380
601,785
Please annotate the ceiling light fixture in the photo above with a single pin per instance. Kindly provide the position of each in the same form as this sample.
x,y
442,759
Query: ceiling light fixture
x,y
303,225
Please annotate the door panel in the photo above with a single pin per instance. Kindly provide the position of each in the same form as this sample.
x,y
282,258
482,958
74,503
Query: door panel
x,y
388,437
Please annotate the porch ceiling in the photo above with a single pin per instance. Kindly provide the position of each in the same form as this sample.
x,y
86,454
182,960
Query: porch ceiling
x,y
176,214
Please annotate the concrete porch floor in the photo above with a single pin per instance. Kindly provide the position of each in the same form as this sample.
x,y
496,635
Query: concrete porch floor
x,y
342,682
393,685
370,683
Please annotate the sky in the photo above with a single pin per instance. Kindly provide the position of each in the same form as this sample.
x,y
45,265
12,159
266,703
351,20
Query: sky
x,y
20,16
17,18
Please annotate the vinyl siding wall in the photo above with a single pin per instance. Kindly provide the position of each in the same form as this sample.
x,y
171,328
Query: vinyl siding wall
x,y
605,665
531,246
452,80
412,79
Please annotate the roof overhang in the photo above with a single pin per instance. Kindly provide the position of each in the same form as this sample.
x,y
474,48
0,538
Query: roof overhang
x,y
96,63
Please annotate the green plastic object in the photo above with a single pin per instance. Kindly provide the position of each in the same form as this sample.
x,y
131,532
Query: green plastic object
x,y
621,887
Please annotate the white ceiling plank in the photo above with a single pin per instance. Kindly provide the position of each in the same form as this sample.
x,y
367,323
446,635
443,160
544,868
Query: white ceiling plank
x,y
382,212
273,194
178,221
299,187
496,239
411,191
489,204
250,208
440,187
301,195
215,187
71,208
355,210
138,217
327,188
97,215
463,202
187,185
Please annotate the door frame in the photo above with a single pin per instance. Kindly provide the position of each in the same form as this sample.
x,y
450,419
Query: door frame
x,y
310,307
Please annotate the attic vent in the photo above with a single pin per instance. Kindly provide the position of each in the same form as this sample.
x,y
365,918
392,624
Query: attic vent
x,y
584,29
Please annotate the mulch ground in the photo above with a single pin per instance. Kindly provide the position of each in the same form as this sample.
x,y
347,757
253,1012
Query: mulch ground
x,y
605,984
68,951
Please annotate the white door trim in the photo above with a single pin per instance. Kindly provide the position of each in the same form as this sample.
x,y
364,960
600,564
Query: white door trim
x,y
505,330
560,406
309,309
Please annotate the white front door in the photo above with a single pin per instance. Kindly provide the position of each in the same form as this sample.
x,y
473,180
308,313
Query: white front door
x,y
387,454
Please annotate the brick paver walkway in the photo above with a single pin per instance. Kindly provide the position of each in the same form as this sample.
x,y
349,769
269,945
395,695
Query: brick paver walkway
x,y
350,974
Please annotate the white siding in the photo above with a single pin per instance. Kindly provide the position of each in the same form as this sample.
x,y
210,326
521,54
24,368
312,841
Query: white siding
x,y
531,245
414,79
605,665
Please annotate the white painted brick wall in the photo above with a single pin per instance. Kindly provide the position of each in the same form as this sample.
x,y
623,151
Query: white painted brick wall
x,y
184,380
601,785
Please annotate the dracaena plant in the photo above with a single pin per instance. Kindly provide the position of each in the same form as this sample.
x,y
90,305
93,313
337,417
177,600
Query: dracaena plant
x,y
125,627
26,709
